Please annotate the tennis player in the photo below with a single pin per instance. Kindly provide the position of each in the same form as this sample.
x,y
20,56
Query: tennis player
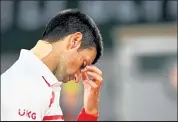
x,y
68,49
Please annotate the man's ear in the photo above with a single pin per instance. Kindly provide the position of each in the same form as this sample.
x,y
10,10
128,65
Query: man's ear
x,y
75,40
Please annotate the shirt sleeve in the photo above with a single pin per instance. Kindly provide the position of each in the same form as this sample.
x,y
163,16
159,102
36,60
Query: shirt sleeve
x,y
83,116
54,112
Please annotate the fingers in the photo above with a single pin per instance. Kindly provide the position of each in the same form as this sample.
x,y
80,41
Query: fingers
x,y
84,76
92,68
95,76
92,76
87,81
91,83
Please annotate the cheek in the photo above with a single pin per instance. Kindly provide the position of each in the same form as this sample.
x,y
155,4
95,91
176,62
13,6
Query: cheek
x,y
74,64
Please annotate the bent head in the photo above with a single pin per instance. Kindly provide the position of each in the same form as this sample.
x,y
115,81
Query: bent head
x,y
76,42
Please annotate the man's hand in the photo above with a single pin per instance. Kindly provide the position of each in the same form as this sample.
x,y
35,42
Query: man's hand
x,y
92,86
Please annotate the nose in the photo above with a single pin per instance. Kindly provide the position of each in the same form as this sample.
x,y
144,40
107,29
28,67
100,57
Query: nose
x,y
77,76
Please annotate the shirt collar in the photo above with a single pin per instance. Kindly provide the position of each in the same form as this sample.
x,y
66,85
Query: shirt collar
x,y
38,66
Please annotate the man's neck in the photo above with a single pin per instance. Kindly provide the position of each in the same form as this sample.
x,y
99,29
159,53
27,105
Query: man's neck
x,y
43,51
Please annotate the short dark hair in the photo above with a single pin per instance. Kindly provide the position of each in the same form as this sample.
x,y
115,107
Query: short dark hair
x,y
70,21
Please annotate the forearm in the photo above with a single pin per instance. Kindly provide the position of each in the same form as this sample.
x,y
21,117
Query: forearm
x,y
83,116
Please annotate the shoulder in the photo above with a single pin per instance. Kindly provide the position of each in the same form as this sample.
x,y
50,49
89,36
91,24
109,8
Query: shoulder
x,y
23,86
54,111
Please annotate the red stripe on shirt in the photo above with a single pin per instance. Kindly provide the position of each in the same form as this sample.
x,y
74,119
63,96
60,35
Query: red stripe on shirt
x,y
52,99
54,117
46,81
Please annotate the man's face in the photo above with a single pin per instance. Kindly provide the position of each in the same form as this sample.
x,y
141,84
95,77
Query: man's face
x,y
72,62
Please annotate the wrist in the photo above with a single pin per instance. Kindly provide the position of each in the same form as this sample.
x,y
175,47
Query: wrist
x,y
91,112
92,108
86,116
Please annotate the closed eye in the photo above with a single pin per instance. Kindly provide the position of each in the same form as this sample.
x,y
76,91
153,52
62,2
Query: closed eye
x,y
83,65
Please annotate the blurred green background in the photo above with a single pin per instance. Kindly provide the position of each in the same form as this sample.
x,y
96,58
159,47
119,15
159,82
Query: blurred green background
x,y
19,26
